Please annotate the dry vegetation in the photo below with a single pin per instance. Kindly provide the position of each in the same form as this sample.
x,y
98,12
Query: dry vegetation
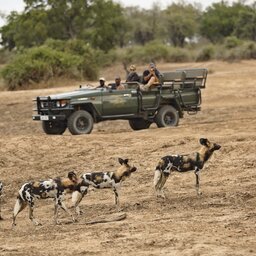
x,y
220,222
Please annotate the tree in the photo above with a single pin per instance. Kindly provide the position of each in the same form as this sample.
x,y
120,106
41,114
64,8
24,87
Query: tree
x,y
98,22
219,20
9,31
245,26
67,18
144,25
181,22
108,25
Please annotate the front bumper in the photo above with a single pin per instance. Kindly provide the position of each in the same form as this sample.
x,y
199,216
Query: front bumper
x,y
49,117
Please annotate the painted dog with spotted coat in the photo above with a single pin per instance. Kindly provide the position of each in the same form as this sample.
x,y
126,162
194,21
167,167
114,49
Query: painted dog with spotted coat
x,y
1,190
52,188
100,180
183,163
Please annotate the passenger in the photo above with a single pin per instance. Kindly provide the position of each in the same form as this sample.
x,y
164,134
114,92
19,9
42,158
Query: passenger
x,y
151,76
117,85
102,83
133,76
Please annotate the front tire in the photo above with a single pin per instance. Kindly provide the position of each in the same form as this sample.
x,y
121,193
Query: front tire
x,y
80,122
54,127
167,116
139,124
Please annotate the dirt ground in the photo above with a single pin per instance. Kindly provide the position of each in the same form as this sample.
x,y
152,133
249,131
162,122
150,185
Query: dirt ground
x,y
220,222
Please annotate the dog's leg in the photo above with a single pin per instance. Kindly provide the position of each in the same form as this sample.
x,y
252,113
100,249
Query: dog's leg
x,y
18,207
0,208
162,183
197,173
56,209
117,203
1,187
60,203
31,214
76,199
157,181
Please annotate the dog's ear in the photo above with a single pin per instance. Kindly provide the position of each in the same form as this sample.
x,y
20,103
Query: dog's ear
x,y
134,169
216,146
122,161
203,141
72,176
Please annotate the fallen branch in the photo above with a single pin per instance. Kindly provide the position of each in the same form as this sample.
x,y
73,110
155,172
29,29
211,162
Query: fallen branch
x,y
104,219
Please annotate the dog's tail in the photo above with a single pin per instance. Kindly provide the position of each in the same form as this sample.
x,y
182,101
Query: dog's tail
x,y
18,207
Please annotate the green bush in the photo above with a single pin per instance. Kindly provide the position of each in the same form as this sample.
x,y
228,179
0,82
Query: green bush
x,y
178,55
231,42
54,44
78,60
155,51
245,50
5,56
207,53
248,50
42,63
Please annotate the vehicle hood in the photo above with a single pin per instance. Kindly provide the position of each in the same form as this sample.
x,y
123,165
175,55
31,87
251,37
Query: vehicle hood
x,y
76,94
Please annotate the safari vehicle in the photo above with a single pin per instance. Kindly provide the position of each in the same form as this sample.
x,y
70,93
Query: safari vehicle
x,y
178,92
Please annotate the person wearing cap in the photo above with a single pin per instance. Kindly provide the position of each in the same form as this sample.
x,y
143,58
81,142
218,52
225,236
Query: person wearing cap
x,y
151,76
133,76
102,83
117,85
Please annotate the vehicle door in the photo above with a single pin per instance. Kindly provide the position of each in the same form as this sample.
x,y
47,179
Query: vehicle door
x,y
119,102
150,98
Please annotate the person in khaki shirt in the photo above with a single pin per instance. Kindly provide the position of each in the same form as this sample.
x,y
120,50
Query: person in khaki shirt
x,y
117,85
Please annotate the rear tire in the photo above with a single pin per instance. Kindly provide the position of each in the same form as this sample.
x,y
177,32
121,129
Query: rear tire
x,y
54,127
80,122
139,124
167,116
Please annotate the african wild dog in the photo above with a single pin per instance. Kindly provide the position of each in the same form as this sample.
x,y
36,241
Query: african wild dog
x,y
52,188
183,163
1,190
103,180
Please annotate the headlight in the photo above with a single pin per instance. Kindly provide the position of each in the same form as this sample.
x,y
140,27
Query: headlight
x,y
44,104
61,103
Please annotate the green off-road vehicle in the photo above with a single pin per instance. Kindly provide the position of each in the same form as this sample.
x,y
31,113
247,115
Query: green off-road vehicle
x,y
178,92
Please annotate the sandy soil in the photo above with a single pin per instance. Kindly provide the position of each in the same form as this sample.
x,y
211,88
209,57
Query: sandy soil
x,y
220,222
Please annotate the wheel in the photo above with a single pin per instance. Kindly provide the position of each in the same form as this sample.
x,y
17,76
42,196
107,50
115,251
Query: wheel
x,y
167,116
80,122
54,127
139,124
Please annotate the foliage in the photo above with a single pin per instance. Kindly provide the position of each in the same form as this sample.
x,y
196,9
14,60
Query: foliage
x,y
206,53
177,54
221,20
99,22
108,25
42,63
105,24
246,23
5,56
75,38
244,50
181,22
232,42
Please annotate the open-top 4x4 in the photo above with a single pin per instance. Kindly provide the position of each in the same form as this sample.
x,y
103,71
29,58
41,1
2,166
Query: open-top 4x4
x,y
164,104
